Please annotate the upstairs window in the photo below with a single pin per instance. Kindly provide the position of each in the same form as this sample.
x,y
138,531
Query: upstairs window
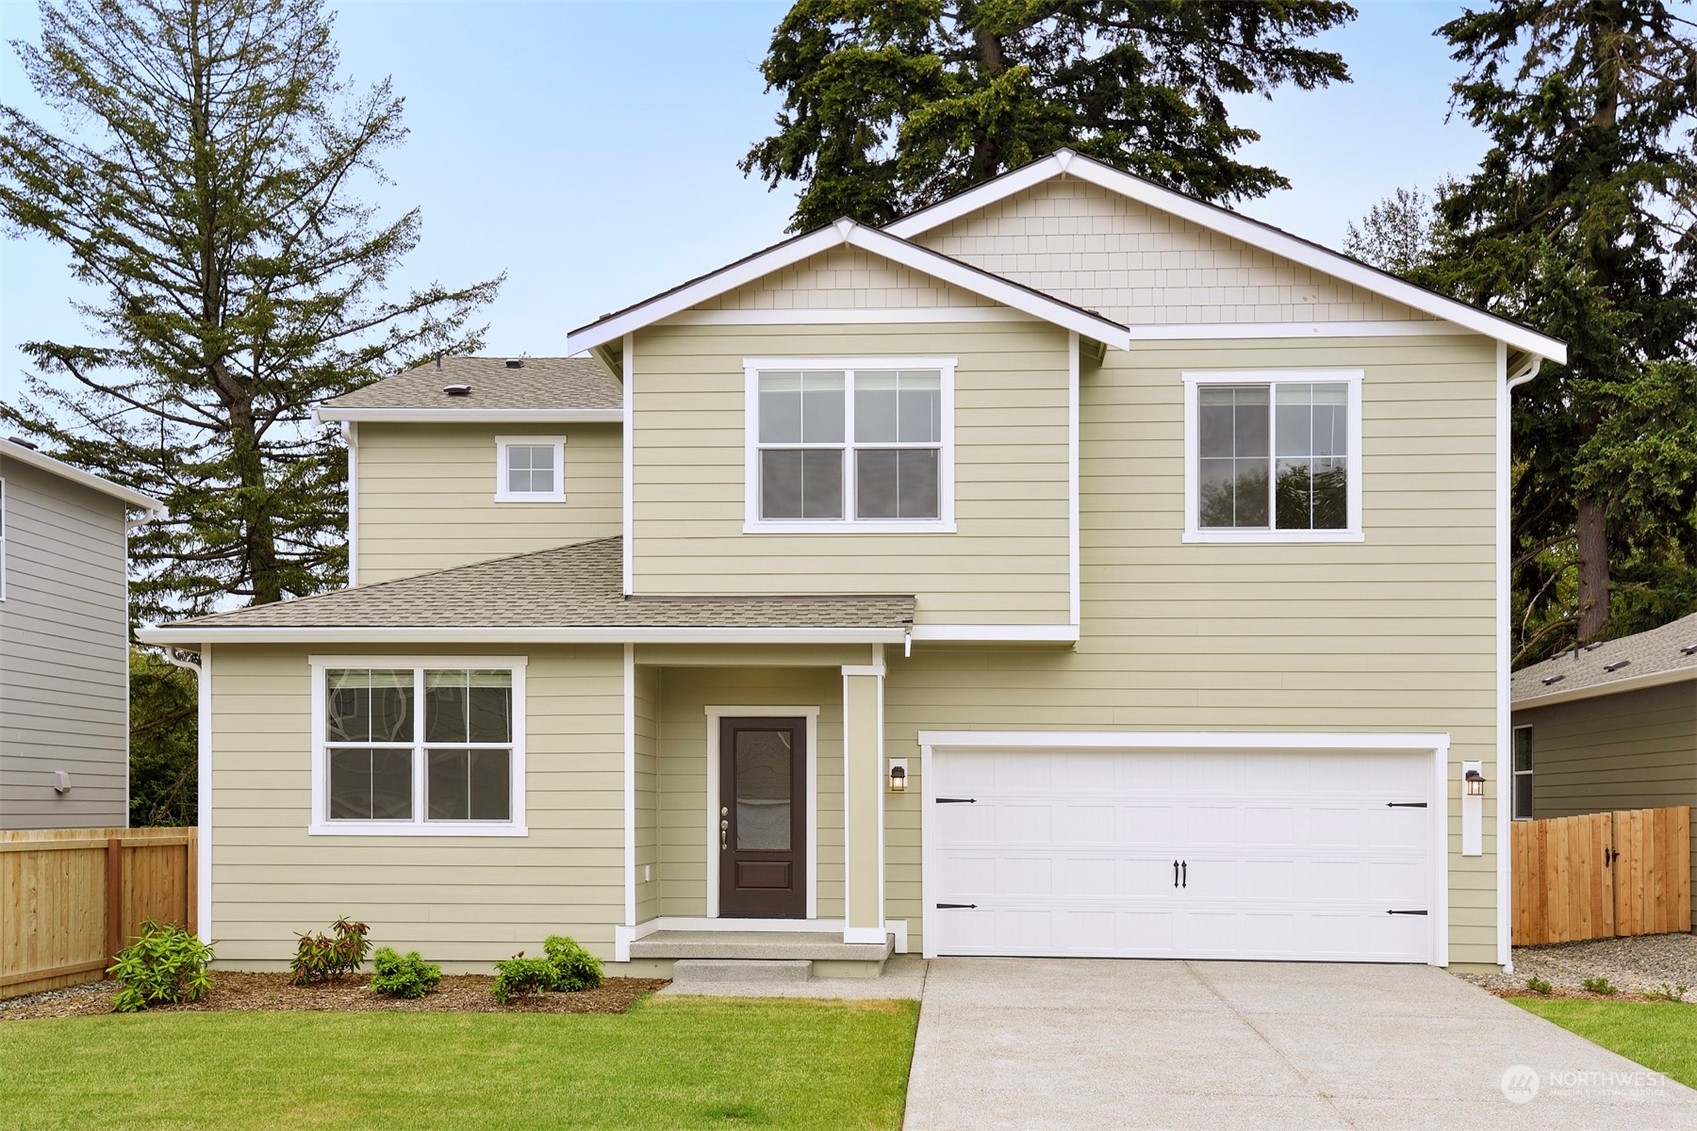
x,y
850,445
530,469
1273,457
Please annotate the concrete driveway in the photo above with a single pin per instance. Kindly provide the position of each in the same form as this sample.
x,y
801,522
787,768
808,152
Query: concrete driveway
x,y
1219,1045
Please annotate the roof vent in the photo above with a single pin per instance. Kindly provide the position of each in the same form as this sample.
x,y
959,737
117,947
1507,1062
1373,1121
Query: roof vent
x,y
460,390
1616,666
22,443
1689,650
1549,679
515,363
1593,646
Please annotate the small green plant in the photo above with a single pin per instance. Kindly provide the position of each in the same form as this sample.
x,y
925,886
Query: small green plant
x,y
1538,985
1601,985
574,967
1667,993
408,977
164,964
565,967
321,958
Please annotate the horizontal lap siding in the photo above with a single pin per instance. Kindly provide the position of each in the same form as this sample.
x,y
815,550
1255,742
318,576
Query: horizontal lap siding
x,y
1393,634
458,900
64,664
1635,750
1006,563
427,496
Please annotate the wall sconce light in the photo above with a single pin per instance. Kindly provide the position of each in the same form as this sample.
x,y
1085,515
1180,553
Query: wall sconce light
x,y
898,775
1474,782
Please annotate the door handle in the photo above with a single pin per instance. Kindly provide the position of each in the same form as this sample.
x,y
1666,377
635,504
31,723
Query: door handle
x,y
1175,873
1186,870
724,835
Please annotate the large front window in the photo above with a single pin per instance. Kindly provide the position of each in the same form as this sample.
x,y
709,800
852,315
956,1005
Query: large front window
x,y
434,748
850,446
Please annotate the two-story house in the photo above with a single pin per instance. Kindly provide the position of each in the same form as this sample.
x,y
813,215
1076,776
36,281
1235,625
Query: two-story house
x,y
64,643
1070,568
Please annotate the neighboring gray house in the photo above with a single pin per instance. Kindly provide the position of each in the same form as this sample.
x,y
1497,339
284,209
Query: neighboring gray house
x,y
64,643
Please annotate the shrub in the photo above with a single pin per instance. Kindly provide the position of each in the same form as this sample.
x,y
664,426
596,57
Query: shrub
x,y
320,958
1538,985
520,975
407,977
164,964
574,967
1601,985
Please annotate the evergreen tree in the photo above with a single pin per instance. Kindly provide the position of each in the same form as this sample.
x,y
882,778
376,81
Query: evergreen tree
x,y
164,745
1402,234
206,195
1578,221
891,105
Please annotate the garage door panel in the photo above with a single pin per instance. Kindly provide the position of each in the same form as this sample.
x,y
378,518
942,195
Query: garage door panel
x,y
1286,855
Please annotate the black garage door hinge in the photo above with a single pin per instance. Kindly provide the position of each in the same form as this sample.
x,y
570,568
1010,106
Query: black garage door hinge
x,y
951,906
1405,913
1405,805
957,800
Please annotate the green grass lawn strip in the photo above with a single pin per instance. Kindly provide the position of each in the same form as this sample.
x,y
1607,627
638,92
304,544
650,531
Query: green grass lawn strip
x,y
1659,1035
669,1063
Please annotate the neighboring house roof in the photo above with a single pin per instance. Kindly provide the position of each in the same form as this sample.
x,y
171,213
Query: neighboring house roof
x,y
1017,296
15,449
514,389
1662,655
1255,233
566,593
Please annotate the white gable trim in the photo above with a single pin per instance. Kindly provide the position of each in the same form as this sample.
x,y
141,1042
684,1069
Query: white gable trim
x,y
77,475
1226,222
872,240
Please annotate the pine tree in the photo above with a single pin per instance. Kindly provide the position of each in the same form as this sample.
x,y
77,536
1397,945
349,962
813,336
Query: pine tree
x,y
1579,221
891,105
206,194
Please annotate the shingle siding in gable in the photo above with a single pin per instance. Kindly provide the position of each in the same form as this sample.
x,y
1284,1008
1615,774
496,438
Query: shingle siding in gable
x,y
846,278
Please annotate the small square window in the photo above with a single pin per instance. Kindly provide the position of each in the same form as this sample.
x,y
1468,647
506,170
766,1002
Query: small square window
x,y
530,469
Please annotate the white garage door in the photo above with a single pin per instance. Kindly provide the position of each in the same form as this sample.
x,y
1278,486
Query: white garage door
x,y
1322,856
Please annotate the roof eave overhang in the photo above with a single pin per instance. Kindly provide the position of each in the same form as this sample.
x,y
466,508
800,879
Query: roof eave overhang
x,y
1237,227
65,471
330,414
872,240
191,637
1613,687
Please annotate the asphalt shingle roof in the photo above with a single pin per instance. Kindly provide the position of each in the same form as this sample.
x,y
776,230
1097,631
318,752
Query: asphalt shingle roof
x,y
1672,647
576,586
541,383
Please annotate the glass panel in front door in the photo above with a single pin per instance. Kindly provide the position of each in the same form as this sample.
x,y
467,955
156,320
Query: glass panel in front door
x,y
763,790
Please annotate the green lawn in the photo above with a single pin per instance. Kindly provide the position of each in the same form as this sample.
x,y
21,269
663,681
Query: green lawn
x,y
1661,1035
669,1062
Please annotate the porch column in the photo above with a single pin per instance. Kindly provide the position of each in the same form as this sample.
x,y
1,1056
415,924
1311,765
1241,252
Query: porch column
x,y
863,801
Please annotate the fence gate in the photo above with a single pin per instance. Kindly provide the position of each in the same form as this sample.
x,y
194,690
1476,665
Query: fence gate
x,y
1602,875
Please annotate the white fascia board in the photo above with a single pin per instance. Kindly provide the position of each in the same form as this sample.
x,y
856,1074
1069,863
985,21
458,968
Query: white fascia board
x,y
1613,687
1179,740
470,415
996,633
63,470
257,634
1240,228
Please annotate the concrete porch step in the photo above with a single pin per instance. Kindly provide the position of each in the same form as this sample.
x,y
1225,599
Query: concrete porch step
x,y
770,946
716,971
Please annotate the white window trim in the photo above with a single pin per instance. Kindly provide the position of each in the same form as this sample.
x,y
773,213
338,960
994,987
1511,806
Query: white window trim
x,y
557,495
944,523
1193,532
1515,774
320,823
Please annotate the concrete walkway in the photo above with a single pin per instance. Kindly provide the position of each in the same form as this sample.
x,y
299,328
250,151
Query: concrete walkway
x,y
1062,1044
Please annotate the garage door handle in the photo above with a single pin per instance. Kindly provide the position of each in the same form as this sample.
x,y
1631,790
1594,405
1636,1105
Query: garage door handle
x,y
1186,867
953,906
1175,873
1405,913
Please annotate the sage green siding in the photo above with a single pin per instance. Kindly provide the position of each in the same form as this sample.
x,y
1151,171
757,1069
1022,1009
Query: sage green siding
x,y
1007,562
427,496
461,901
1633,750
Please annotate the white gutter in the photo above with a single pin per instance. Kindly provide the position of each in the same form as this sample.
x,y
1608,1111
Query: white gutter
x,y
322,414
33,458
191,635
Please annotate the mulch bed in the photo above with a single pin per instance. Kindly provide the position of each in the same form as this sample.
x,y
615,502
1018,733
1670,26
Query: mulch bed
x,y
1568,993
238,991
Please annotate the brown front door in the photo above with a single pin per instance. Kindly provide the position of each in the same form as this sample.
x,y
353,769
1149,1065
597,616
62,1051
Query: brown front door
x,y
762,818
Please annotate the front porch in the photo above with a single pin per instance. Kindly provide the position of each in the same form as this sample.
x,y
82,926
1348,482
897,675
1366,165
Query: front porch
x,y
755,791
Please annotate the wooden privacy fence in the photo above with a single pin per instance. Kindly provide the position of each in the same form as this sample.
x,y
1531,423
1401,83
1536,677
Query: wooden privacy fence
x,y
72,898
1601,875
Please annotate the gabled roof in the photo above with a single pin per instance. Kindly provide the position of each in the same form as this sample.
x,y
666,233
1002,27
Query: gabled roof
x,y
536,388
568,593
13,449
1223,220
611,327
1646,659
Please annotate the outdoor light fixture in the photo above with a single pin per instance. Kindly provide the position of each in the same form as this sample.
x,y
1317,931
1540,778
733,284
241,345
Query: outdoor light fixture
x,y
898,776
1475,782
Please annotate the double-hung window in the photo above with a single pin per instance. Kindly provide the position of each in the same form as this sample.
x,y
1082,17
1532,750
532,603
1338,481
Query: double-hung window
x,y
865,445
1273,456
433,748
530,469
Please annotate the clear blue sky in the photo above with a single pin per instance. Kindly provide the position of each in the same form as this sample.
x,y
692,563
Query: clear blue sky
x,y
589,150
